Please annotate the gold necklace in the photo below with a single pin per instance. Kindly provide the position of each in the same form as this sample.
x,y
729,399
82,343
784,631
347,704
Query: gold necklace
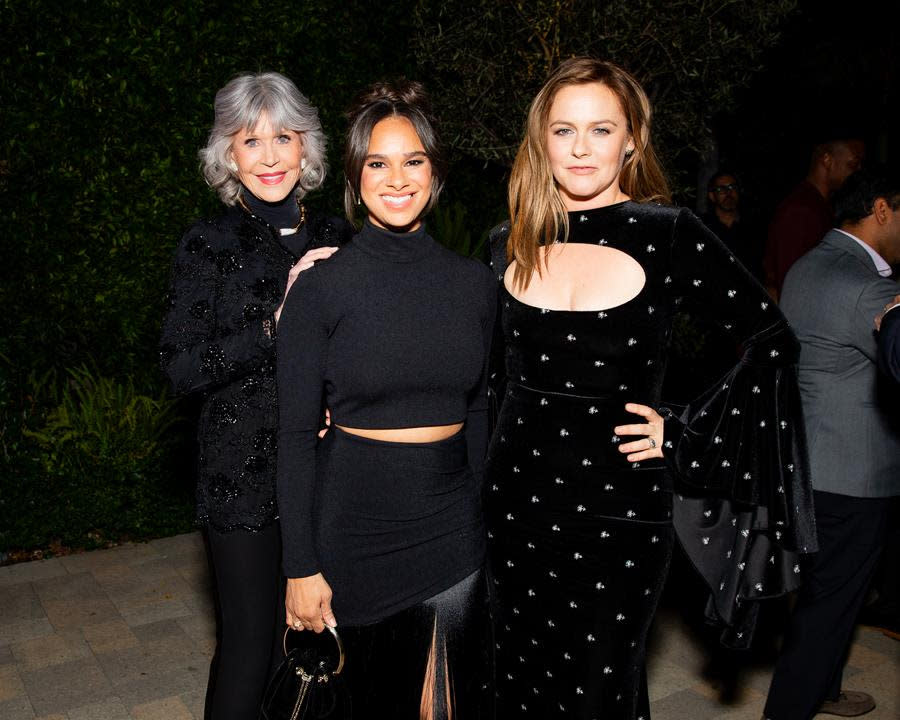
x,y
300,206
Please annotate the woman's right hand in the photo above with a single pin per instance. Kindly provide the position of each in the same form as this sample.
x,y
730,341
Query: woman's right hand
x,y
305,263
307,603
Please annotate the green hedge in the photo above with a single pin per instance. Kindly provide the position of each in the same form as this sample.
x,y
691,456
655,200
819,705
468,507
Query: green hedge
x,y
105,104
95,463
104,107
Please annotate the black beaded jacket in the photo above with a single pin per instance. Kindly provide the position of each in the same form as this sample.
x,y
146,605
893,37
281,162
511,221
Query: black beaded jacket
x,y
218,339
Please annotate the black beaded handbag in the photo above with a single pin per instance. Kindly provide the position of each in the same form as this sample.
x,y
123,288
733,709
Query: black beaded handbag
x,y
307,685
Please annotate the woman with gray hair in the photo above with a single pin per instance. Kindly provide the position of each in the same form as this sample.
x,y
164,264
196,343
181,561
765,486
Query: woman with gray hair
x,y
266,150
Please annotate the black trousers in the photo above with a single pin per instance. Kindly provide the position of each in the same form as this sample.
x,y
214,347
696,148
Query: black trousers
x,y
433,660
250,620
851,535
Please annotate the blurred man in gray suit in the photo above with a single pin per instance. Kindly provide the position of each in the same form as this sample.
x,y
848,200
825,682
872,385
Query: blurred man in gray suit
x,y
852,423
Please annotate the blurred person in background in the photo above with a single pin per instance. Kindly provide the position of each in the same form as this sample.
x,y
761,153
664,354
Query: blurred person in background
x,y
805,215
731,222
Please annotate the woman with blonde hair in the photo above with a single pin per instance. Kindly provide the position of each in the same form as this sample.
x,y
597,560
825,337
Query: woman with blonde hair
x,y
588,467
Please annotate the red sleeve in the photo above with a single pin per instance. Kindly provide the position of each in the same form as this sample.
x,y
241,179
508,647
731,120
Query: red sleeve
x,y
795,231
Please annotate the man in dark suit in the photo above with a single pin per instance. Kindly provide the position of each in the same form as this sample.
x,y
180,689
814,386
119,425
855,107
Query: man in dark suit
x,y
884,612
830,297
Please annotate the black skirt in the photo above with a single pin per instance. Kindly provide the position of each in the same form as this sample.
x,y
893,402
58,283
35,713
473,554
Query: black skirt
x,y
395,523
401,540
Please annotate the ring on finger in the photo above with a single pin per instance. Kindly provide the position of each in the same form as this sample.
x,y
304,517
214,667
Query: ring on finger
x,y
652,442
298,624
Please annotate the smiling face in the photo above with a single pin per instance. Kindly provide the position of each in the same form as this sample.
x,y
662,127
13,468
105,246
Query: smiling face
x,y
395,185
268,160
586,139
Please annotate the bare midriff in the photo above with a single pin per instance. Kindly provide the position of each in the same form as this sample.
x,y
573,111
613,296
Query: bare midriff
x,y
433,433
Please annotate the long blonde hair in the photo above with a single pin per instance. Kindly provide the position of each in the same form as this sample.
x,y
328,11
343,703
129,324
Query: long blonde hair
x,y
536,209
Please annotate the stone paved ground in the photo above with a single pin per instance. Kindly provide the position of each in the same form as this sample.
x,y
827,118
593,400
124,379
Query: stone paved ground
x,y
128,633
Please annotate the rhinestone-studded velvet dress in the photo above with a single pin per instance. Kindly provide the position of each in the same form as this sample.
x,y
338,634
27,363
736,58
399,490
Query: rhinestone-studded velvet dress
x,y
580,538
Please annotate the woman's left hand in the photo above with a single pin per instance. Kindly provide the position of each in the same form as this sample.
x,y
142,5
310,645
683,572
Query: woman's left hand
x,y
649,446
305,263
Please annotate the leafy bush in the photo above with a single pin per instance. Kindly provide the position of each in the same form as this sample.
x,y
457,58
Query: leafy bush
x,y
94,467
486,59
105,105
450,226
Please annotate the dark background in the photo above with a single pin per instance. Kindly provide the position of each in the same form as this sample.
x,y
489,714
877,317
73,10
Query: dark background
x,y
832,73
106,103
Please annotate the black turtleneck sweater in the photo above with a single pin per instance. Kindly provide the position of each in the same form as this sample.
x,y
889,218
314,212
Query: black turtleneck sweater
x,y
281,215
392,332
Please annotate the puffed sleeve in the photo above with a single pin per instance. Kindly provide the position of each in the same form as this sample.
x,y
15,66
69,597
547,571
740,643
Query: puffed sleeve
x,y
303,332
195,352
743,504
477,417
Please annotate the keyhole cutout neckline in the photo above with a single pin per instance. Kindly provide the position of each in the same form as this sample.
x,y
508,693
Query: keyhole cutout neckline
x,y
603,255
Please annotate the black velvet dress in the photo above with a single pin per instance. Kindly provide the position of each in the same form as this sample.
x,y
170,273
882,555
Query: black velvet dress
x,y
580,538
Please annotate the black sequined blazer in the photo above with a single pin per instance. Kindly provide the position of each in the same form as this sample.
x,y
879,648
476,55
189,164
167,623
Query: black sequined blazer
x,y
218,339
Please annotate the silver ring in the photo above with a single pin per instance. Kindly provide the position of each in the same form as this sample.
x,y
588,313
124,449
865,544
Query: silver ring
x,y
298,624
652,442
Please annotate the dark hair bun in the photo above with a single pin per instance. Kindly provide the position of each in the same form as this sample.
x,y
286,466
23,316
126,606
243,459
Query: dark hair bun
x,y
409,93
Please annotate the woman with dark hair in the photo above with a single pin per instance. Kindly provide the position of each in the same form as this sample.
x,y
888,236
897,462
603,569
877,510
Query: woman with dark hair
x,y
593,265
266,150
392,335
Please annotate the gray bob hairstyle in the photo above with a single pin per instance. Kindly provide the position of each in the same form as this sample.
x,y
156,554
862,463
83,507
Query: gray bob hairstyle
x,y
239,106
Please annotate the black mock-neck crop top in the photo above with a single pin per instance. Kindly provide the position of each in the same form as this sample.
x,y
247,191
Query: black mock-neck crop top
x,y
393,331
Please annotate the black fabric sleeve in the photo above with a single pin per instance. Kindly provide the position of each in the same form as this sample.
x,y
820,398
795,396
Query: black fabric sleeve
x,y
302,350
743,509
496,258
889,344
870,301
195,353
477,418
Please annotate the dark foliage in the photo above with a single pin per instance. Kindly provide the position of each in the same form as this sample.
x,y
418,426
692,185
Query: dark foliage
x,y
104,106
488,58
